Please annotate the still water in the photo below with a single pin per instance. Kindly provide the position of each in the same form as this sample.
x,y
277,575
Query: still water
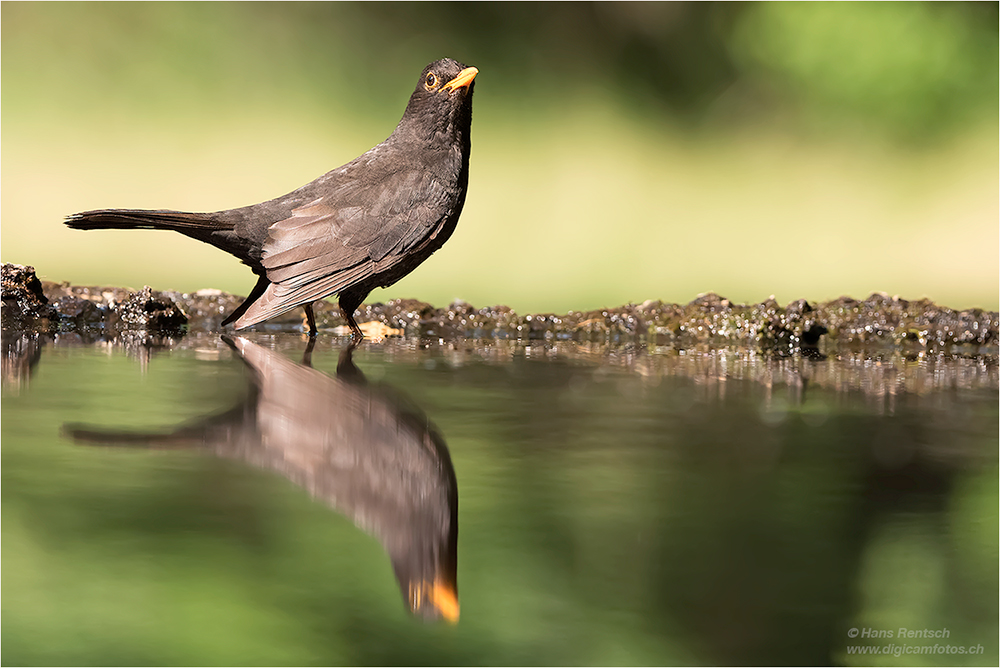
x,y
198,501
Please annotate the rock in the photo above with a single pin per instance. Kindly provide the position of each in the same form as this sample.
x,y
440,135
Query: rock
x,y
25,306
146,310
80,312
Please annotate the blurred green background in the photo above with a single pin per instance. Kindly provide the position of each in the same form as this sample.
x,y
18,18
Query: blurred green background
x,y
621,152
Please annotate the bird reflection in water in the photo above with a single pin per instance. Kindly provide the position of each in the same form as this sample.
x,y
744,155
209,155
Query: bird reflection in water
x,y
361,449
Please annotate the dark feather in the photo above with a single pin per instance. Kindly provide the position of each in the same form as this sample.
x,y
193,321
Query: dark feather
x,y
361,226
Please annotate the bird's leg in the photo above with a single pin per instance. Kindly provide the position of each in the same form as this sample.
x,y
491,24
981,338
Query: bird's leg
x,y
349,302
349,317
307,354
346,369
311,319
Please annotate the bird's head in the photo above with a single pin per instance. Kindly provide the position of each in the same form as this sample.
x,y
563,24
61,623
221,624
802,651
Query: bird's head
x,y
433,599
426,568
442,100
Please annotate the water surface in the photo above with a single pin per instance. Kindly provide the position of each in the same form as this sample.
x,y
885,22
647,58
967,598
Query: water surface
x,y
613,505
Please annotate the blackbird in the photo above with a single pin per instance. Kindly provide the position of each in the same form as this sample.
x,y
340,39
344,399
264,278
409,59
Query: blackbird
x,y
362,226
363,449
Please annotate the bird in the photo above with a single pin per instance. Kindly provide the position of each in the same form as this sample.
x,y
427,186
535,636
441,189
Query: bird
x,y
361,448
363,225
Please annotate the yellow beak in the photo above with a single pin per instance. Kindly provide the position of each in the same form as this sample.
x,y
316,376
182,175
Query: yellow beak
x,y
442,595
464,78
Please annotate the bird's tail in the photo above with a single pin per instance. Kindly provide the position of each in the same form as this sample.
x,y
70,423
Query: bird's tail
x,y
180,439
128,219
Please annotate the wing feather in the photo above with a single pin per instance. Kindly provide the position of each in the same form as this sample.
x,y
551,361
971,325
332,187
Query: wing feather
x,y
352,232
280,298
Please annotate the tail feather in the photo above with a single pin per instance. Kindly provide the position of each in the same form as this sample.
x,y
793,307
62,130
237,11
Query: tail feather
x,y
127,219
182,438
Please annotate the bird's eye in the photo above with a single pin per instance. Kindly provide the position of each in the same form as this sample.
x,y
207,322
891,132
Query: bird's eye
x,y
431,80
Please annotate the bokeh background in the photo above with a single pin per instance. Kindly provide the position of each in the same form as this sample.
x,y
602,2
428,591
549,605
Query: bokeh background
x,y
621,152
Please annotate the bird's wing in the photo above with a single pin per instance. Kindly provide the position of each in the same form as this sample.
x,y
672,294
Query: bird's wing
x,y
352,231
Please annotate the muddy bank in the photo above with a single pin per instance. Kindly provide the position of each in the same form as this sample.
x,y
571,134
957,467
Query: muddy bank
x,y
30,305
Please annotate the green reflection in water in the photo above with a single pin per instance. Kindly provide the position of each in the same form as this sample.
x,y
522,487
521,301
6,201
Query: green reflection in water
x,y
607,517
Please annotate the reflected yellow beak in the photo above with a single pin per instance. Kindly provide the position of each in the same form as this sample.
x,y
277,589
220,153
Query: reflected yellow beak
x,y
464,78
443,595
